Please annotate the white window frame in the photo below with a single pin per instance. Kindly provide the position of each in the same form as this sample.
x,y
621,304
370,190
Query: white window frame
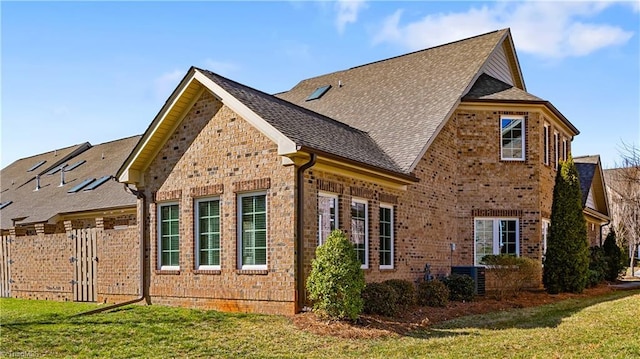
x,y
546,145
546,226
159,235
197,232
239,198
366,229
393,236
496,235
334,197
564,149
556,147
522,144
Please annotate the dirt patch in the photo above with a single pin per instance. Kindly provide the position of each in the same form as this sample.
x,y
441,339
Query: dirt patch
x,y
375,326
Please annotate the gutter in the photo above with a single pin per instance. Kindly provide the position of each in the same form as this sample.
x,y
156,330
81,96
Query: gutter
x,y
601,226
299,277
143,273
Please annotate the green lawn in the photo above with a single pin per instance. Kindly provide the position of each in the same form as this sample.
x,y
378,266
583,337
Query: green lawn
x,y
606,326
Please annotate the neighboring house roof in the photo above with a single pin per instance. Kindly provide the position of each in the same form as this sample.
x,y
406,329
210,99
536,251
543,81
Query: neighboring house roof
x,y
83,162
402,102
592,184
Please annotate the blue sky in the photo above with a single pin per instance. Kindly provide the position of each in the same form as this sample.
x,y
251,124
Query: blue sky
x,y
98,71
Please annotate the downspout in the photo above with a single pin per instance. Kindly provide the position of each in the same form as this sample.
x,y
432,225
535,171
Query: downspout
x,y
300,287
601,226
143,273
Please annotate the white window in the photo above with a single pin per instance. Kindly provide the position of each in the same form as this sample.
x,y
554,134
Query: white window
x,y
564,149
169,236
327,215
512,132
252,230
546,224
556,148
360,230
546,145
207,214
386,236
496,236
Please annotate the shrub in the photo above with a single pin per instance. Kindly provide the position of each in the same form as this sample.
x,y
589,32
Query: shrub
x,y
616,261
380,298
513,273
461,287
566,264
336,281
406,292
433,294
598,267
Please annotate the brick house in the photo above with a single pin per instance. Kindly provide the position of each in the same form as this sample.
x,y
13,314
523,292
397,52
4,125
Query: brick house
x,y
594,197
68,229
407,155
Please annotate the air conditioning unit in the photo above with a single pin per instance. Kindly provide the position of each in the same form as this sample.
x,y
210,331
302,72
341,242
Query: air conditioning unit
x,y
478,274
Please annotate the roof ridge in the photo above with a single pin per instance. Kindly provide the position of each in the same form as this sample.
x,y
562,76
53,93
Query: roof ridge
x,y
287,103
116,140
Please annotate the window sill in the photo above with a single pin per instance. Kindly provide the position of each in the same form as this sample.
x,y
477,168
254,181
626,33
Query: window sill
x,y
252,271
387,269
207,271
167,271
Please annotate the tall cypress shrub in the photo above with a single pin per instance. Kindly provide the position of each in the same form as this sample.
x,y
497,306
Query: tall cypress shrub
x,y
566,265
613,255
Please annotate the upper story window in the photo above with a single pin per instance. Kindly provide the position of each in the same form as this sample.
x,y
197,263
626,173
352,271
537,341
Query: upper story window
x,y
252,230
565,149
360,230
546,145
327,215
496,236
556,148
208,233
512,132
386,236
169,236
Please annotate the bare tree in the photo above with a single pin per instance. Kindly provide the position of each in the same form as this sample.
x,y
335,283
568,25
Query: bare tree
x,y
624,195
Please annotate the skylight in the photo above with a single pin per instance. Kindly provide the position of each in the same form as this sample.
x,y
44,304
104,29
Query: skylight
x,y
36,165
54,170
97,183
318,93
81,185
75,165
4,204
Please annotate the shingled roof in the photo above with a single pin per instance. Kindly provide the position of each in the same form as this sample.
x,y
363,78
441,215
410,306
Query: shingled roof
x,y
592,181
402,102
30,206
489,88
307,128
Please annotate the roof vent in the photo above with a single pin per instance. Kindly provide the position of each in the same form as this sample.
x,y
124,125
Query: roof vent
x,y
319,92
62,170
37,183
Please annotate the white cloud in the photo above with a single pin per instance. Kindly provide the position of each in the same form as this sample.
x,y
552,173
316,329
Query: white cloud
x,y
348,12
166,83
546,29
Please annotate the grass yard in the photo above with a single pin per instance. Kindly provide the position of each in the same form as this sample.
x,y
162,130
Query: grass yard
x,y
606,326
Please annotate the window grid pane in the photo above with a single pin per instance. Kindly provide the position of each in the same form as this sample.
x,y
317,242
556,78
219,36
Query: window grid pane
x,y
358,230
386,236
508,237
209,236
484,238
254,230
326,217
169,235
512,145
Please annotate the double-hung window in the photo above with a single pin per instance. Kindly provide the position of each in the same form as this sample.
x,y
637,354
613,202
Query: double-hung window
x,y
360,230
546,224
546,145
512,135
252,230
556,148
496,236
386,236
327,215
565,150
169,236
208,233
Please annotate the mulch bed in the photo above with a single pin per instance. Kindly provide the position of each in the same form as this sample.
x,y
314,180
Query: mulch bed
x,y
375,326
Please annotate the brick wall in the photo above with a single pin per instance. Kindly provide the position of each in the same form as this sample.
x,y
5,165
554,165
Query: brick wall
x,y
214,152
118,265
